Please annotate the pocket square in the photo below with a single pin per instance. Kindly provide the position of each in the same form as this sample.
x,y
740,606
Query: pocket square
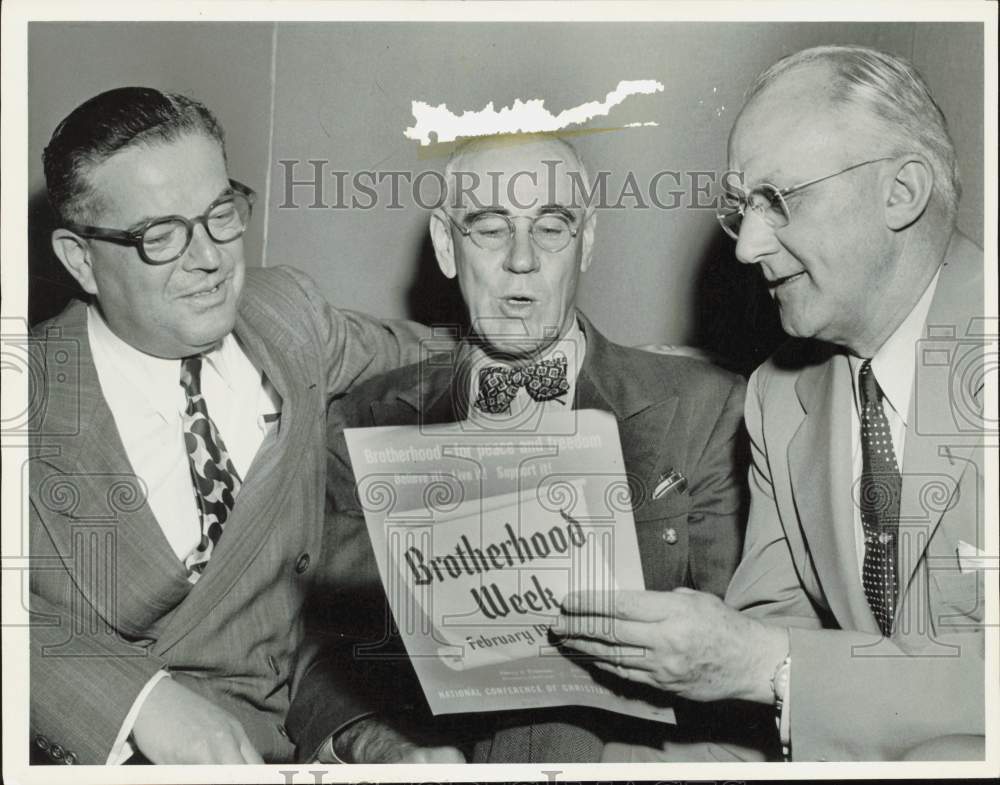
x,y
971,558
271,422
671,481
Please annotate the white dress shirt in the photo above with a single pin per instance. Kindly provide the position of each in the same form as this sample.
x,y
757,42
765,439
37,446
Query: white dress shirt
x,y
147,403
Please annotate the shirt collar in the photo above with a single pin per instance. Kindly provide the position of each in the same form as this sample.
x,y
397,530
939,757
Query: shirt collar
x,y
156,380
894,364
129,372
225,360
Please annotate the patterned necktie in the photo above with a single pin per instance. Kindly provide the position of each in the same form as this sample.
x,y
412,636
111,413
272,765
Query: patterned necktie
x,y
498,384
216,481
881,486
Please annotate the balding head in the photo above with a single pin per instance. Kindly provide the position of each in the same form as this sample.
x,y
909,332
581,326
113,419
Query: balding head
x,y
885,94
501,153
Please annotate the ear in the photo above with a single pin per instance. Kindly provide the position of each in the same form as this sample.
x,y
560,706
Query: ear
x,y
909,191
587,247
444,248
74,253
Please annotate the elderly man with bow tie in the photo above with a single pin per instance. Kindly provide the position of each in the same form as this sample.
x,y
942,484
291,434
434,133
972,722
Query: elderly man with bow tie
x,y
517,239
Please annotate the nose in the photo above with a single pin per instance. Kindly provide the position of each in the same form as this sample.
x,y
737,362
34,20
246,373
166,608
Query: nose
x,y
756,239
203,252
522,255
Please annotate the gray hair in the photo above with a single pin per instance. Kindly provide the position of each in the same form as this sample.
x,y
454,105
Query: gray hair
x,y
894,94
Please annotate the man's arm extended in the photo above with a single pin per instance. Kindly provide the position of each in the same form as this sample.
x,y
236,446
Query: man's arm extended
x,y
854,695
358,346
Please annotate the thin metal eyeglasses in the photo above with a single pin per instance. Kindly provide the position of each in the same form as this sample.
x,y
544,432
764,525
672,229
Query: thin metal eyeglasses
x,y
769,202
551,232
164,239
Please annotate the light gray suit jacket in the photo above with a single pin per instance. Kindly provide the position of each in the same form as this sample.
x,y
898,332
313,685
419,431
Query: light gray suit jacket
x,y
854,695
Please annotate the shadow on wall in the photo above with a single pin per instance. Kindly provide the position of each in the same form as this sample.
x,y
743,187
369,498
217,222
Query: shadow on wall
x,y
50,287
433,299
735,319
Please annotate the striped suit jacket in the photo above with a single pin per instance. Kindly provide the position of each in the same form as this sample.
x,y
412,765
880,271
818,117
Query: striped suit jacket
x,y
110,601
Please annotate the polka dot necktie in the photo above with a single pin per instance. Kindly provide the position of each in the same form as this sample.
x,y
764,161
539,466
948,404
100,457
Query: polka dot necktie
x,y
498,384
881,485
216,481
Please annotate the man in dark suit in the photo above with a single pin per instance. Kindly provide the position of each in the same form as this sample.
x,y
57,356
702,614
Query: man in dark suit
x,y
518,241
178,462
861,586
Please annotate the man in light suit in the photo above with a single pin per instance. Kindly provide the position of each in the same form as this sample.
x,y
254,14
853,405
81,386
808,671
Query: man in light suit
x,y
517,251
178,467
861,585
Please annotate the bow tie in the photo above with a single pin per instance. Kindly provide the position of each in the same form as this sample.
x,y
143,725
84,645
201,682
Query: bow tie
x,y
498,384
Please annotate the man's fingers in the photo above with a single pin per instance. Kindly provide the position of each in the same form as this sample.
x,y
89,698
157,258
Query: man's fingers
x,y
433,755
222,748
623,604
249,752
628,674
628,656
608,629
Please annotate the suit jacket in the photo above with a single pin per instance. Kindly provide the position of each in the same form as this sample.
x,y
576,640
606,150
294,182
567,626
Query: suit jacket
x,y
672,413
853,694
110,600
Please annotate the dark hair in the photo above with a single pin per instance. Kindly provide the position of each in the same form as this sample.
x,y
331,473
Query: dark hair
x,y
101,126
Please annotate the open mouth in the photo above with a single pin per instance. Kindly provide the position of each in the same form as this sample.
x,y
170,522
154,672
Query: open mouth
x,y
777,283
208,293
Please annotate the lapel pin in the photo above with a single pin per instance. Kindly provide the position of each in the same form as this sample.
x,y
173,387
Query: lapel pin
x,y
670,482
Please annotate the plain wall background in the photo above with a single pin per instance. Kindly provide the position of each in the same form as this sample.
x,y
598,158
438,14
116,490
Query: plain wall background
x,y
341,93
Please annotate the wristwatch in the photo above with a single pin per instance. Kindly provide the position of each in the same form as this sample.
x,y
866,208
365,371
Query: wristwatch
x,y
779,680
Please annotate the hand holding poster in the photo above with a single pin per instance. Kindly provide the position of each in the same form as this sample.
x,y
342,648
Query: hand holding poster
x,y
478,537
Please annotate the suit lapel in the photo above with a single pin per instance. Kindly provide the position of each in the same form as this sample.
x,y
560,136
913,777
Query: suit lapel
x,y
938,441
84,445
820,468
644,418
440,396
295,376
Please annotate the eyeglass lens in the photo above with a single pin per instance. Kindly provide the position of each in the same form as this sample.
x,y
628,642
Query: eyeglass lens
x,y
493,232
765,200
225,221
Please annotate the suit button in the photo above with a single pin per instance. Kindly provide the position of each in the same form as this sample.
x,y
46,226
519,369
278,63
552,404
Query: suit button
x,y
70,758
302,563
56,751
273,664
42,743
670,536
